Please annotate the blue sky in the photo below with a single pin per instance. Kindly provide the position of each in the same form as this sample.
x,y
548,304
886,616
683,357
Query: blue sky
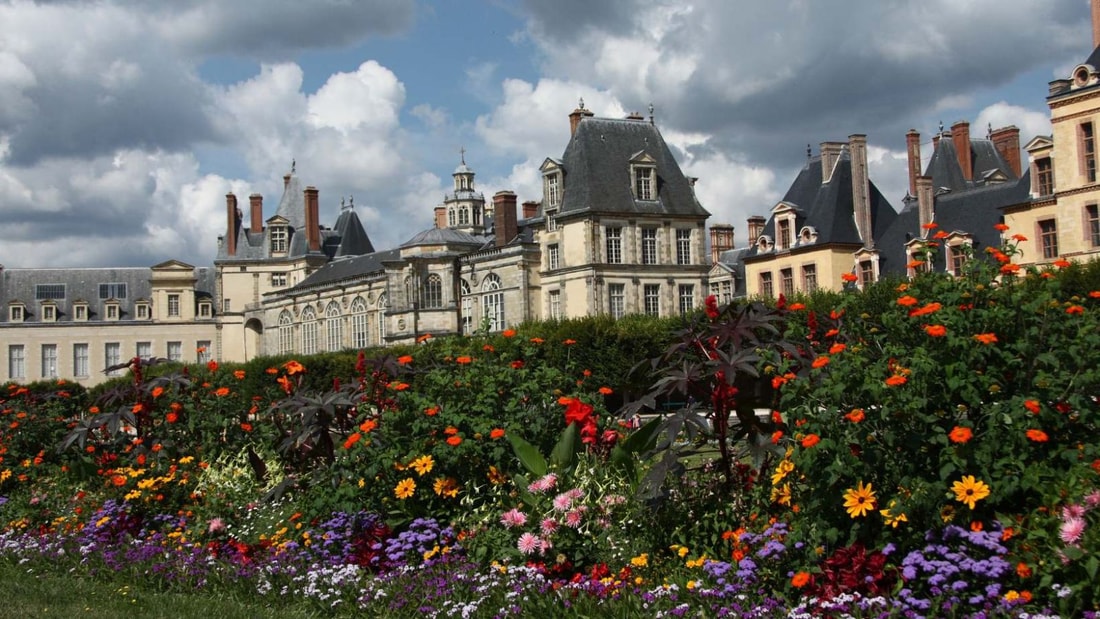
x,y
124,123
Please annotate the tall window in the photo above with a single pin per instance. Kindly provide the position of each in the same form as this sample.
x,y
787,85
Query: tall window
x,y
112,311
687,298
432,295
786,277
1048,238
174,305
467,325
463,216
683,246
15,313
142,311
49,313
383,303
144,350
278,280
616,300
553,191
784,234
112,355
17,362
555,304
334,327
359,327
493,302
866,272
614,245
809,277
1044,176
957,255
203,351
651,297
643,183
49,361
551,221
309,331
286,332
81,366
80,311
1092,224
278,239
649,246
553,256
175,351
767,288
1088,152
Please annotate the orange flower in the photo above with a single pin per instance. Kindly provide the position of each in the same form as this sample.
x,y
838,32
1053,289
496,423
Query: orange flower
x,y
368,425
896,380
850,277
856,415
832,332
450,431
1010,269
284,382
158,391
821,362
930,225
1019,238
935,330
927,309
1061,263
1000,227
431,411
118,480
810,440
537,340
940,235
960,434
569,342
517,364
837,348
272,371
1022,570
454,441
907,301
423,338
238,374
404,359
778,434
399,386
799,580
605,391
1094,294
986,338
488,348
915,264
247,427
508,333
222,392
794,307
1033,406
171,417
293,367
464,360
496,433
1075,309
212,366
352,440
1037,435
137,408
565,400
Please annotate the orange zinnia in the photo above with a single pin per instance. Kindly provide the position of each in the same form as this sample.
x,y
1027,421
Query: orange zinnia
x,y
1000,227
849,277
835,348
404,359
800,580
157,391
960,434
810,440
454,441
368,425
896,380
496,433
1037,435
222,392
171,417
935,330
464,360
293,367
986,338
1033,406
855,416
238,374
821,362
1075,309
508,333
927,309
907,301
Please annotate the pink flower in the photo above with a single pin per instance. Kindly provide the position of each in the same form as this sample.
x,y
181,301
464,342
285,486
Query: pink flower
x,y
513,518
529,544
217,525
1093,499
543,484
548,526
1072,528
573,519
563,501
1072,511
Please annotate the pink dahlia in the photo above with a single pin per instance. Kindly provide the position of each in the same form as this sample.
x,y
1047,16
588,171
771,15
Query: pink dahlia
x,y
563,502
513,518
1073,511
529,544
1072,529
548,526
573,519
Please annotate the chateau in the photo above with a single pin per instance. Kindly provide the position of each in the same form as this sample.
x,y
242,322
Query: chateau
x,y
617,230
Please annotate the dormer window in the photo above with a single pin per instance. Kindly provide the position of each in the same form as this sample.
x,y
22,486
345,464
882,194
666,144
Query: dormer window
x,y
206,309
1044,177
143,311
764,243
279,237
643,176
49,312
783,236
111,310
552,190
16,312
80,311
807,235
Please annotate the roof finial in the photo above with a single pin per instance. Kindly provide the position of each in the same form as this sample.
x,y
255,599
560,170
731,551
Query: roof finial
x,y
293,164
941,127
651,113
809,151
342,203
462,152
580,105
351,202
989,131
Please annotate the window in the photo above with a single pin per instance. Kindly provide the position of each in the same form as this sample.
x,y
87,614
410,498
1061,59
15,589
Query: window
x,y
467,311
1048,238
286,333
111,309
616,300
553,190
382,304
551,221
49,361
80,312
651,297
278,239
278,280
175,351
767,289
866,272
683,246
553,256
451,217
463,216
359,327
555,305
206,308
492,302
15,313
16,362
649,246
142,310
112,355
43,292
726,294
1044,176
144,350
957,254
173,305
614,245
112,291
643,183
783,233
309,331
1092,224
81,366
49,313
334,327
809,277
432,294
786,278
687,298
203,352
1088,152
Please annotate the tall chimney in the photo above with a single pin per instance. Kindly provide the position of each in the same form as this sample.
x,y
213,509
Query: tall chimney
x,y
233,224
313,226
721,239
530,209
504,217
440,217
1007,142
912,147
755,227
577,116
861,194
960,135
1095,24
830,154
256,206
924,202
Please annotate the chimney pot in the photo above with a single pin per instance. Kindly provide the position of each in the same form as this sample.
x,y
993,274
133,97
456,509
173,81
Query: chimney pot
x,y
233,223
1007,142
721,239
960,135
755,227
912,147
440,217
830,154
505,227
256,206
530,209
313,226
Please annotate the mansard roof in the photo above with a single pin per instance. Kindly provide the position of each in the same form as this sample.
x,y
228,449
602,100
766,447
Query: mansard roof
x,y
946,172
596,168
345,269
444,236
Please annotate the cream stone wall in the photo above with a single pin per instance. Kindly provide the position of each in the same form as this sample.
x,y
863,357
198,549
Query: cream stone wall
x,y
830,263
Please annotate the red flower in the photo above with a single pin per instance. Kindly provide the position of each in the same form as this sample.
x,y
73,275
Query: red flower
x,y
508,333
1075,309
935,330
986,338
496,433
960,434
930,226
1033,406
605,391
796,306
1061,263
569,342
212,365
577,412
454,441
1010,269
171,417
799,580
810,440
464,360
821,362
907,301
222,392
1000,227
711,307
855,416
1037,435
404,360
517,364
896,380
850,277
1019,238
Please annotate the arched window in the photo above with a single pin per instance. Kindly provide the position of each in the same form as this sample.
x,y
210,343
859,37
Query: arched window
x,y
286,332
492,302
383,303
309,331
477,215
432,294
358,323
463,216
467,307
334,325
451,217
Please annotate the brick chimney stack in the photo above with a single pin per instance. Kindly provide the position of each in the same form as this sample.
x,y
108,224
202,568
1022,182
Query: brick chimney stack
x,y
1007,142
830,154
313,226
233,224
440,217
861,188
925,201
577,116
755,227
912,147
504,217
256,206
721,239
530,209
960,135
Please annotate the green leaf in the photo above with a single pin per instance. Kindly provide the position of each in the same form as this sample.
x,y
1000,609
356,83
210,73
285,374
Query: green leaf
x,y
528,455
1091,566
565,452
644,438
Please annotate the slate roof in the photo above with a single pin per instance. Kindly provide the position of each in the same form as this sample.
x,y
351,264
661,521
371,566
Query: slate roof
x,y
444,236
344,269
945,170
596,171
732,260
353,239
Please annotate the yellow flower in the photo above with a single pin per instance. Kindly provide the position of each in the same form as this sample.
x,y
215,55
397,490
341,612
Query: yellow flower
x,y
781,471
405,488
641,560
446,486
423,465
859,500
782,494
969,490
891,518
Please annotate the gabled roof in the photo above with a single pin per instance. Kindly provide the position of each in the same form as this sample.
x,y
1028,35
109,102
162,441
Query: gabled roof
x,y
596,168
353,237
